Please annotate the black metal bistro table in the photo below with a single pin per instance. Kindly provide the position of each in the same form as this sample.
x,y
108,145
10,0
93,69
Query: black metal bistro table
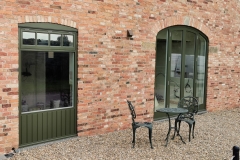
x,y
176,111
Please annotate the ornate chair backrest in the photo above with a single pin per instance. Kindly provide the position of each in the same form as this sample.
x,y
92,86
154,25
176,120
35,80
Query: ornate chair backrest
x,y
190,103
131,107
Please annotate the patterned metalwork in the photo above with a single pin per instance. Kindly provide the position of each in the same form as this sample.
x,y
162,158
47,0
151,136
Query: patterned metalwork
x,y
170,127
136,125
191,104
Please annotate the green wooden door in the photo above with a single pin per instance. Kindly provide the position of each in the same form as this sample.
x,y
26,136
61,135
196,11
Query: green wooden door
x,y
47,80
181,67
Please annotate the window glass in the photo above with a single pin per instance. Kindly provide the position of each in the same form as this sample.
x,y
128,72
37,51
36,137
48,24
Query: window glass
x,y
55,39
189,63
42,39
176,69
67,40
47,80
160,70
200,83
28,38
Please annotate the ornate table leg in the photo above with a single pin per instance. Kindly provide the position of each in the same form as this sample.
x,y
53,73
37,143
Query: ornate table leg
x,y
169,129
177,130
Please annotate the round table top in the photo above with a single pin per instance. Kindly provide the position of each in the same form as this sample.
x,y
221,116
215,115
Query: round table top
x,y
172,110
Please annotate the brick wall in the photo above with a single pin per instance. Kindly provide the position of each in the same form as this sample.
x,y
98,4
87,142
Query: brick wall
x,y
112,67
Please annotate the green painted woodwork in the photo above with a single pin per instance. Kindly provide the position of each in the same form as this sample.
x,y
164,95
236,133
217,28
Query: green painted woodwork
x,y
47,125
47,28
166,38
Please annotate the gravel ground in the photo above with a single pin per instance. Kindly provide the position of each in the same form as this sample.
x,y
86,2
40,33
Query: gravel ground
x,y
215,135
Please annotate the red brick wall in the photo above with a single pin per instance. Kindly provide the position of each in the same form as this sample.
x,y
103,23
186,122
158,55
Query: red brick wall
x,y
113,68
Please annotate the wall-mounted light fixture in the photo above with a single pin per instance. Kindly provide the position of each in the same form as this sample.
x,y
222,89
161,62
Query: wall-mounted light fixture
x,y
129,33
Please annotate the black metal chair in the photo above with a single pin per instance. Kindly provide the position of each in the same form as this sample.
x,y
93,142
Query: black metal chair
x,y
136,125
191,104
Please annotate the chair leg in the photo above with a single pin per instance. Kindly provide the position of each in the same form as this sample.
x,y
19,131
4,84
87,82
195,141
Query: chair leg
x,y
133,141
193,129
175,128
179,125
190,129
150,136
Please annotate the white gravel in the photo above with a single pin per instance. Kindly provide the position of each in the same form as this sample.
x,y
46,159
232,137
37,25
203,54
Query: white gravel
x,y
215,135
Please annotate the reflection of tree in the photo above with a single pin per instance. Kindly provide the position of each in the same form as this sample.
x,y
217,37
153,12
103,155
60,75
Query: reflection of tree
x,y
65,41
42,42
53,42
59,39
56,42
29,41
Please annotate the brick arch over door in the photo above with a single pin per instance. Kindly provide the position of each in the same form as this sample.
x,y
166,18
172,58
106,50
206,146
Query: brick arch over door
x,y
177,20
35,19
47,19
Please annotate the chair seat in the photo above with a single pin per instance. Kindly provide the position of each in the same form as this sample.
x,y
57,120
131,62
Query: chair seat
x,y
190,121
144,124
190,103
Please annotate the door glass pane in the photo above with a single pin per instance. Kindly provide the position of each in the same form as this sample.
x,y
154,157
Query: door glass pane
x,y
28,38
42,39
55,39
189,64
160,70
47,80
175,70
67,40
201,70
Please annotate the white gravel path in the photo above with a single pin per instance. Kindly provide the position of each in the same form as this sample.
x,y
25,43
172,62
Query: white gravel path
x,y
215,135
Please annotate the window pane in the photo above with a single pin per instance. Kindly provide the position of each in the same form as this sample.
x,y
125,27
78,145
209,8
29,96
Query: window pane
x,y
176,69
160,77
55,39
200,77
28,38
59,76
47,81
42,39
189,63
67,40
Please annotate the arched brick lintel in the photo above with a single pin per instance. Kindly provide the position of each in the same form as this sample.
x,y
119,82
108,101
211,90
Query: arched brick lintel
x,y
158,26
49,19
177,20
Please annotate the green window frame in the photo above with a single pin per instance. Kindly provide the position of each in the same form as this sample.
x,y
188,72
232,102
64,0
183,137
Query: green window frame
x,y
48,29
63,52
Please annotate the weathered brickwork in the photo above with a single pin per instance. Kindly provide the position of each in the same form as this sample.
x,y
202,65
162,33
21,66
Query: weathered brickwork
x,y
113,67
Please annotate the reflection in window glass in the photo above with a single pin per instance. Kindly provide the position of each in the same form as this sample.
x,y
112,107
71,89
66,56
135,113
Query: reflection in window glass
x,y
200,82
28,38
42,39
67,40
160,80
55,39
176,68
189,63
47,82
